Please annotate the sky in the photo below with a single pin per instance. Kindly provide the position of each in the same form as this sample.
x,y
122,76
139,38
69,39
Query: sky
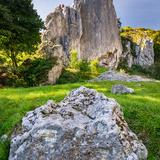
x,y
134,13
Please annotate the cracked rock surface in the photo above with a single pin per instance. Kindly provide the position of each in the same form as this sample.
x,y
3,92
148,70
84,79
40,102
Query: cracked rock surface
x,y
86,125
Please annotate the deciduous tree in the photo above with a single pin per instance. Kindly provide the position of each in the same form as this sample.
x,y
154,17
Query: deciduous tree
x,y
19,28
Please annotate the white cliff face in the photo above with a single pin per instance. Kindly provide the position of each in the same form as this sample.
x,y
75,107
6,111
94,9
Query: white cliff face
x,y
143,53
86,125
90,27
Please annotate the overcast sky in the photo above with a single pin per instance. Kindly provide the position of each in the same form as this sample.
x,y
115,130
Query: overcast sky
x,y
135,13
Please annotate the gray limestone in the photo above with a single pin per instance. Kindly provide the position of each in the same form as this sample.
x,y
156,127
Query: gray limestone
x,y
86,125
121,89
89,27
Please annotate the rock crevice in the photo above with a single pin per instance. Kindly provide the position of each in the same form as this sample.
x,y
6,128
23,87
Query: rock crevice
x,y
85,125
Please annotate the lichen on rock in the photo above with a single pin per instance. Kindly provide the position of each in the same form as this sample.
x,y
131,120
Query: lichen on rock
x,y
86,125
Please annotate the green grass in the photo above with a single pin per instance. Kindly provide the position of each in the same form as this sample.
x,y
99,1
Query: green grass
x,y
141,110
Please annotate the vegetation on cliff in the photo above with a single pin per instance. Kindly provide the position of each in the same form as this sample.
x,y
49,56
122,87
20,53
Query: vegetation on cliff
x,y
80,70
134,35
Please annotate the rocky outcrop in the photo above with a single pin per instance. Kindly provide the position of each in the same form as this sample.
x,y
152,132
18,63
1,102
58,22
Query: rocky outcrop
x,y
140,53
90,27
99,35
121,89
118,76
85,125
145,53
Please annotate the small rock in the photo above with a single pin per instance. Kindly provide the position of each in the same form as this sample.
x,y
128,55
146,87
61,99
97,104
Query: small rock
x,y
121,89
4,138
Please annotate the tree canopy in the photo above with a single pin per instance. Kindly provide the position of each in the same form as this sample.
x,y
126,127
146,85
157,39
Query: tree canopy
x,y
19,27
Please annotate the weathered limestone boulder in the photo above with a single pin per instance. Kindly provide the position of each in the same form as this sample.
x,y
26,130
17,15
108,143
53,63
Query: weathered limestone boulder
x,y
90,27
141,53
86,125
121,89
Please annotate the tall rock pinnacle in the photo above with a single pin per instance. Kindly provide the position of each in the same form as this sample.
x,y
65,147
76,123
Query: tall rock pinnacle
x,y
90,27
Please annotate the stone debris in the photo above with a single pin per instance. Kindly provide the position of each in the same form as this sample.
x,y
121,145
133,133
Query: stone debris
x,y
117,76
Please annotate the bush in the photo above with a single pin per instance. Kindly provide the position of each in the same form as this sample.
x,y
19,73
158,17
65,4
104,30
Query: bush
x,y
152,71
84,66
35,72
30,73
80,70
94,65
74,62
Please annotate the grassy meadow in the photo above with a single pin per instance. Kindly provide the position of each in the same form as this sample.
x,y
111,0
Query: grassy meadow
x,y
141,110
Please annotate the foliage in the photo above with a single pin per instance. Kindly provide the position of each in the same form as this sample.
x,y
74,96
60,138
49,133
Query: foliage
x,y
30,73
134,35
19,28
80,70
84,66
141,110
35,72
74,61
123,65
154,71
150,72
94,65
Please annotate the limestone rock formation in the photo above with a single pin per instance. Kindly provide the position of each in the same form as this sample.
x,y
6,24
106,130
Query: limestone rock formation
x,y
121,89
145,53
90,27
99,35
141,54
86,125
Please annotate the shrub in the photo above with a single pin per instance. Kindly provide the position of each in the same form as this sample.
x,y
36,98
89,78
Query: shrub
x,y
80,70
35,72
94,64
30,73
74,62
84,66
152,71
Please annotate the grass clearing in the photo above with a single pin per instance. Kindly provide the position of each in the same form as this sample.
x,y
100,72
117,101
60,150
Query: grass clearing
x,y
141,110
